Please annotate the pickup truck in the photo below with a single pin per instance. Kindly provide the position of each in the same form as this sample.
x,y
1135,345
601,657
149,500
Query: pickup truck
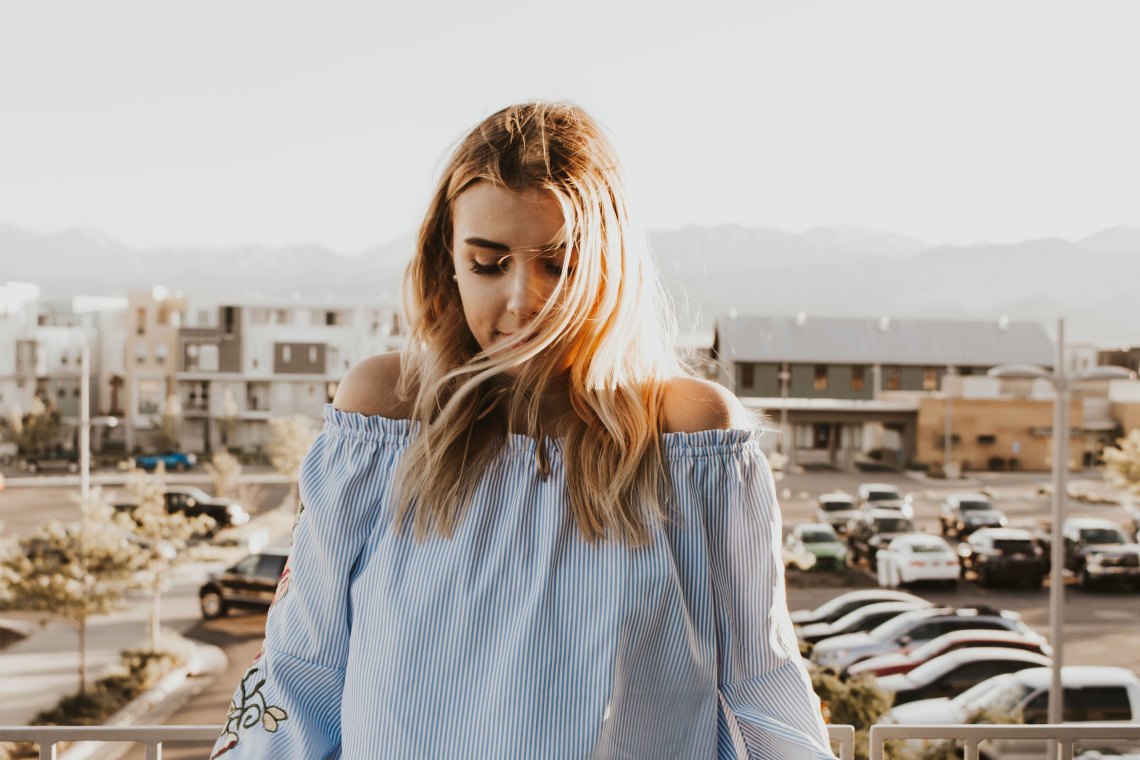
x,y
226,513
1098,553
1092,694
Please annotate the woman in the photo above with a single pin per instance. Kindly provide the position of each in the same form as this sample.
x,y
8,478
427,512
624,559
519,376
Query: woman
x,y
530,535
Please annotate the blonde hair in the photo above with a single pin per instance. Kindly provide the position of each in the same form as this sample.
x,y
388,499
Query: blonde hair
x,y
607,314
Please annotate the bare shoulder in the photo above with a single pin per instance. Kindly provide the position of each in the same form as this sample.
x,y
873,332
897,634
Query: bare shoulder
x,y
692,404
370,388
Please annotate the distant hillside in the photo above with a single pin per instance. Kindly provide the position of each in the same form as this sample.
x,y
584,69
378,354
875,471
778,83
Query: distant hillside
x,y
827,271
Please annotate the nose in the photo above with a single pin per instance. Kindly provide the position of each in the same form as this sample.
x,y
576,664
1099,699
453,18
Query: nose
x,y
526,295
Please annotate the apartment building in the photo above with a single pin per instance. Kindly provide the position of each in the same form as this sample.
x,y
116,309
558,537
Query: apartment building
x,y
843,391
242,364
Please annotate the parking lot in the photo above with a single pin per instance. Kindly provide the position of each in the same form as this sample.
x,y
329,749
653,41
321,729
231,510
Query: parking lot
x,y
1100,626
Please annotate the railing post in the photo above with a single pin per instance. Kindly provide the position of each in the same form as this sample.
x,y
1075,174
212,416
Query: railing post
x,y
154,750
47,750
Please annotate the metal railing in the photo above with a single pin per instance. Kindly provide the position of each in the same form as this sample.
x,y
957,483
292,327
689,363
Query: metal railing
x,y
972,735
152,737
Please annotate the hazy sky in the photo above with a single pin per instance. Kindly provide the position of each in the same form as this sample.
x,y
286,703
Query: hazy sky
x,y
218,123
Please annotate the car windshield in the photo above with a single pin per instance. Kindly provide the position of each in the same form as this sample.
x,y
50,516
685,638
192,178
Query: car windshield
x,y
975,506
973,695
884,496
927,549
1014,546
1004,698
837,506
894,525
893,627
818,537
195,493
1102,536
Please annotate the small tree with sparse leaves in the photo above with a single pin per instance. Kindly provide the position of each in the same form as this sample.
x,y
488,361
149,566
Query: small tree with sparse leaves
x,y
164,537
289,441
225,469
72,571
1122,462
38,430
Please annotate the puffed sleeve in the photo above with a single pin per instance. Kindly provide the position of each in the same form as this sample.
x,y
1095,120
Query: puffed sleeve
x,y
288,702
767,706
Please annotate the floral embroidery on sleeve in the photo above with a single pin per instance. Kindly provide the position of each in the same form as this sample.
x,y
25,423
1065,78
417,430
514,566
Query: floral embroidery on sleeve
x,y
251,711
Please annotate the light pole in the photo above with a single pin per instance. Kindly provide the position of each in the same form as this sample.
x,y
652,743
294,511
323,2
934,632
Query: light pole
x,y
784,377
85,423
1061,385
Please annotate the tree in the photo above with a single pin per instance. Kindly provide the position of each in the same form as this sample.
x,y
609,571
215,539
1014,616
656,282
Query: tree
x,y
164,537
227,421
72,571
35,432
289,442
168,424
1122,462
225,469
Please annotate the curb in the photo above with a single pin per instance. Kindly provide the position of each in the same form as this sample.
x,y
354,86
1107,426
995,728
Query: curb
x,y
171,692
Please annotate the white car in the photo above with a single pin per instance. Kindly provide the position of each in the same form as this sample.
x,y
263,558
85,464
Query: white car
x,y
836,509
838,606
885,496
1092,694
917,557
950,674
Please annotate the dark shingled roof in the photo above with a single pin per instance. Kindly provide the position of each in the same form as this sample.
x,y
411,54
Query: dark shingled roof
x,y
830,340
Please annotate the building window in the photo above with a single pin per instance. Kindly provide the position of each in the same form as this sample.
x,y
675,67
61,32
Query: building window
x,y
160,353
894,379
747,376
229,318
208,358
312,354
856,378
140,320
63,358
140,353
930,379
821,377
149,397
287,354
282,317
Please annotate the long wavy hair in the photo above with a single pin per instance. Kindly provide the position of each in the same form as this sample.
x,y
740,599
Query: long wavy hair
x,y
607,313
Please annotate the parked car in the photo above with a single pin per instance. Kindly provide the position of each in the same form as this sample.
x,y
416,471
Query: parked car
x,y
226,513
914,558
814,546
890,664
1091,694
251,584
1098,552
872,529
1002,555
62,461
963,513
950,674
863,618
884,496
835,509
177,461
911,630
838,606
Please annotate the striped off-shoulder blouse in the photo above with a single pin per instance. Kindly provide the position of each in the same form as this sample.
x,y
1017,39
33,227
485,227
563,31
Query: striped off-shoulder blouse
x,y
516,638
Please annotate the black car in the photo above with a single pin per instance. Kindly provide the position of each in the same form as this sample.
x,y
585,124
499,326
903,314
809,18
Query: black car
x,y
250,584
963,513
225,513
1002,555
872,529
1098,552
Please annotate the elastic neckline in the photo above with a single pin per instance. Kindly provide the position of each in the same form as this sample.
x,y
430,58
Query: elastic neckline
x,y
401,431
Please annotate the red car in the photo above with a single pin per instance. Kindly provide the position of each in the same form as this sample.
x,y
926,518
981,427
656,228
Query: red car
x,y
890,664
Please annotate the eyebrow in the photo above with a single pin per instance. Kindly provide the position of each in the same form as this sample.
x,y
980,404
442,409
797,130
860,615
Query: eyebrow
x,y
484,243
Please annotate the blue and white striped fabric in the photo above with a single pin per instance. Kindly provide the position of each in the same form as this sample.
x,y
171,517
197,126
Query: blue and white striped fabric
x,y
517,639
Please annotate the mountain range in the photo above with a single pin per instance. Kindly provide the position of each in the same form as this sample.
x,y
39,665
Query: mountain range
x,y
825,271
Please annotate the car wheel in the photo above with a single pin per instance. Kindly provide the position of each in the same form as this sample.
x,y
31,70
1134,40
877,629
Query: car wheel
x,y
212,604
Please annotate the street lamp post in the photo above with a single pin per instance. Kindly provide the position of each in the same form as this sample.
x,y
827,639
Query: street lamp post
x,y
1062,383
784,377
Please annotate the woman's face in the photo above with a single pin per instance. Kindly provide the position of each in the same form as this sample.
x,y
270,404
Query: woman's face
x,y
508,253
